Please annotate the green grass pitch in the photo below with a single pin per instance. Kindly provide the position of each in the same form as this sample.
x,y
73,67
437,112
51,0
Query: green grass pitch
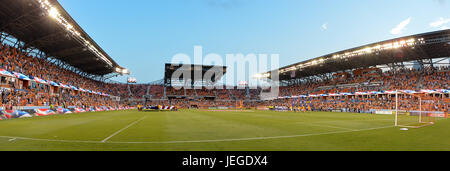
x,y
202,130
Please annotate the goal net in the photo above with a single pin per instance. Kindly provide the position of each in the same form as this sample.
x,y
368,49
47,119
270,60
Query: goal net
x,y
418,110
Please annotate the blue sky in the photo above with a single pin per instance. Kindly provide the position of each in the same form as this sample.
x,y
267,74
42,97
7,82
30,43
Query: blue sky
x,y
142,35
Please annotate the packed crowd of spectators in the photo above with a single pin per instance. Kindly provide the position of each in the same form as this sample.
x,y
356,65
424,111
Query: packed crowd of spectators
x,y
429,78
17,92
402,79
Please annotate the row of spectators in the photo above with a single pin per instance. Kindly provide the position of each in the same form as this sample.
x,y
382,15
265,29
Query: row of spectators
x,y
221,94
17,92
403,79
428,78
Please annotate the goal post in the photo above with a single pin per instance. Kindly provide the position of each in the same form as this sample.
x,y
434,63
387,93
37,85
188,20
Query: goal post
x,y
416,110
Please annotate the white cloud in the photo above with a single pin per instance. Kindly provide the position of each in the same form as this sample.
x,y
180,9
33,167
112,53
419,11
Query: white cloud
x,y
325,26
400,27
440,22
445,28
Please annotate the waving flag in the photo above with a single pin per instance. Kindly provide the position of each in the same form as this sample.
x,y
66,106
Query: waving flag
x,y
8,113
375,92
82,89
74,88
44,112
390,92
23,114
443,91
361,93
15,114
106,108
408,91
79,110
64,85
5,73
63,111
52,83
40,81
346,94
428,91
21,76
98,109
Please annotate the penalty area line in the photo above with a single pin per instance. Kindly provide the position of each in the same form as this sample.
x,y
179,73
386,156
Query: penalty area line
x,y
124,128
323,125
255,138
199,141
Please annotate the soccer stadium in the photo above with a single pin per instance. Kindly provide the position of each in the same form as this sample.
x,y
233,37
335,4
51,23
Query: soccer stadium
x,y
58,93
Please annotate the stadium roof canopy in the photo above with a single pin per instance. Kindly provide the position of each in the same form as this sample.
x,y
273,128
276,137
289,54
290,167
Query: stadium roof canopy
x,y
410,48
46,26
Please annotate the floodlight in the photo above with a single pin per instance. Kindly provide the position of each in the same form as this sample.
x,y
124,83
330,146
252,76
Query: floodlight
x,y
53,12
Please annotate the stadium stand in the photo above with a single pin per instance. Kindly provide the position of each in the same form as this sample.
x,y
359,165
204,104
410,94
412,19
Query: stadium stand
x,y
355,80
31,87
52,66
365,98
39,73
365,79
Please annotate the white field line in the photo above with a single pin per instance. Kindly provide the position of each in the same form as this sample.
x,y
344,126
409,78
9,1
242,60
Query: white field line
x,y
322,125
256,138
201,141
124,128
272,116
227,111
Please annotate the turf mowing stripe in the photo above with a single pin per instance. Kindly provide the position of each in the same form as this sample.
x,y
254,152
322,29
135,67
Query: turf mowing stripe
x,y
112,135
198,141
322,125
255,138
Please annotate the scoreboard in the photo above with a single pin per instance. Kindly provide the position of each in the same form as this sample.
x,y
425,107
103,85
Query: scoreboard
x,y
192,74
